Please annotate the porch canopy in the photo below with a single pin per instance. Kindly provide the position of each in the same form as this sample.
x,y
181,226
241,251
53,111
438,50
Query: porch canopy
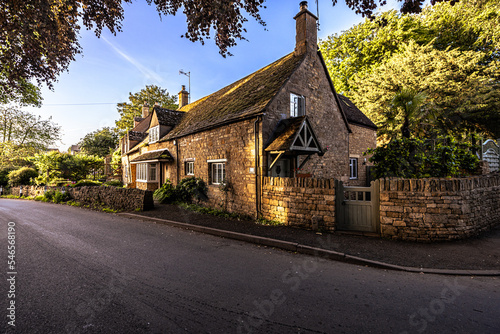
x,y
293,137
153,156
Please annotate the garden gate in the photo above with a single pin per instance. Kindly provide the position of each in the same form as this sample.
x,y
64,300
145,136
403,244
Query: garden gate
x,y
357,208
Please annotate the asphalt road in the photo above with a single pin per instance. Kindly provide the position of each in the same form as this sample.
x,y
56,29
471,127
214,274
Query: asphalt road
x,y
79,271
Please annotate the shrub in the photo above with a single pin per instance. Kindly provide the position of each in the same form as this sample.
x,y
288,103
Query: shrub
x,y
61,197
86,183
114,183
22,176
167,193
192,187
4,175
418,158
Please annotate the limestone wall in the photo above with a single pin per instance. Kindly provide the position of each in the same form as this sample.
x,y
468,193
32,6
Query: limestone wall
x,y
439,209
301,202
114,198
110,197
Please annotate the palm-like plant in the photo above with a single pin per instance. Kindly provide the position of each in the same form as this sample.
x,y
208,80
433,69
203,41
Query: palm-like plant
x,y
406,107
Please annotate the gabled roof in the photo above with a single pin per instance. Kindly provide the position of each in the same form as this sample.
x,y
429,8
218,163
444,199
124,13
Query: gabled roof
x,y
158,155
294,134
244,98
354,115
167,116
143,125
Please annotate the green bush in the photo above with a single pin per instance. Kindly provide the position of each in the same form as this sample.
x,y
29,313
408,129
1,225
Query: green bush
x,y
22,176
56,196
167,193
86,183
188,189
114,183
4,175
418,158
192,188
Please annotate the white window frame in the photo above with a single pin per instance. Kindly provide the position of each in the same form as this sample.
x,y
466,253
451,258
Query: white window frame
x,y
189,167
353,168
141,172
218,172
153,172
297,105
154,134
146,172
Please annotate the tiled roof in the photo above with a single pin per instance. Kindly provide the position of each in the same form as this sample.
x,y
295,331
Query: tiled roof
x,y
246,97
143,125
155,155
353,114
168,117
136,135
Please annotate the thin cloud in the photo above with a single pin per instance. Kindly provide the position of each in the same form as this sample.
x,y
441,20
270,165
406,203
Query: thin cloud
x,y
143,69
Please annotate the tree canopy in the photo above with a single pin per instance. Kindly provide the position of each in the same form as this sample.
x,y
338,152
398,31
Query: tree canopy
x,y
469,25
26,129
39,38
450,53
100,142
150,94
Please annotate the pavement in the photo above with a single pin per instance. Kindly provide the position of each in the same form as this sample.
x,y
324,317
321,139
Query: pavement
x,y
477,256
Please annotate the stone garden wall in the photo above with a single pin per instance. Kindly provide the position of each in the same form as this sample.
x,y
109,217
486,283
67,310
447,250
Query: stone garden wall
x,y
301,202
115,198
439,209
111,197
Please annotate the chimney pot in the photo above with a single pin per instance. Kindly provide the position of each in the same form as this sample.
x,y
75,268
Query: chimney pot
x,y
145,109
183,97
306,31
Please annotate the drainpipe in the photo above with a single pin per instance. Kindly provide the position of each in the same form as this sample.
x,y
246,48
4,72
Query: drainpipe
x,y
176,143
257,183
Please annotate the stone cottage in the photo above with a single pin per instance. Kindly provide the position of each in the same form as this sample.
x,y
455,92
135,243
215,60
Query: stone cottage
x,y
284,120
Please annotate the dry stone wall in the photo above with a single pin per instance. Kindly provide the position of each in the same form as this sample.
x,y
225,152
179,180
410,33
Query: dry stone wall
x,y
438,209
114,198
300,202
111,197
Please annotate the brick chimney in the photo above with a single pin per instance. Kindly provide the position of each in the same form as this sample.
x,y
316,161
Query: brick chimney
x,y
306,31
145,109
183,97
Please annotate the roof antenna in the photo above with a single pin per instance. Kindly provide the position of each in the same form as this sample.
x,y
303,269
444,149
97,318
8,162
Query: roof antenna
x,y
317,14
188,74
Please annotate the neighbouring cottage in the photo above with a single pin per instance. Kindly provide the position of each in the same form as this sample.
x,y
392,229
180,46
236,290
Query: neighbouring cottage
x,y
284,120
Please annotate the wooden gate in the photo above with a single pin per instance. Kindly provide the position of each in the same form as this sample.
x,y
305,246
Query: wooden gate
x,y
357,208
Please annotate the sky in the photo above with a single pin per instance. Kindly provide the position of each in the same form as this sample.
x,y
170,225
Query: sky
x,y
150,50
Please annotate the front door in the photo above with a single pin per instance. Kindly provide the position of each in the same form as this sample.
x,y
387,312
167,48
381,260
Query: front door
x,y
281,168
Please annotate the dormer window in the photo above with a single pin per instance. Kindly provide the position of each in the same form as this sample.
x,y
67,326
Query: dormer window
x,y
154,134
297,105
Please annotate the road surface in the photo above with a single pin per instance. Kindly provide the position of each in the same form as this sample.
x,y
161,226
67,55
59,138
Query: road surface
x,y
79,271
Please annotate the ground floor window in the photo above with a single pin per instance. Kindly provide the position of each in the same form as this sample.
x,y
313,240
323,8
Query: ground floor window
x,y
353,167
189,167
147,172
218,172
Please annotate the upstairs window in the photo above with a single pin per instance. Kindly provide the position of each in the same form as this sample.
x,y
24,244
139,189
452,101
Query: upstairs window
x,y
297,105
154,134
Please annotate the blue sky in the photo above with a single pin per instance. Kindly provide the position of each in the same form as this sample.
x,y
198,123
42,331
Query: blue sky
x,y
151,51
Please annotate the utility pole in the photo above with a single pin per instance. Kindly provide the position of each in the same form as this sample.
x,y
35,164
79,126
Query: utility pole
x,y
188,74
